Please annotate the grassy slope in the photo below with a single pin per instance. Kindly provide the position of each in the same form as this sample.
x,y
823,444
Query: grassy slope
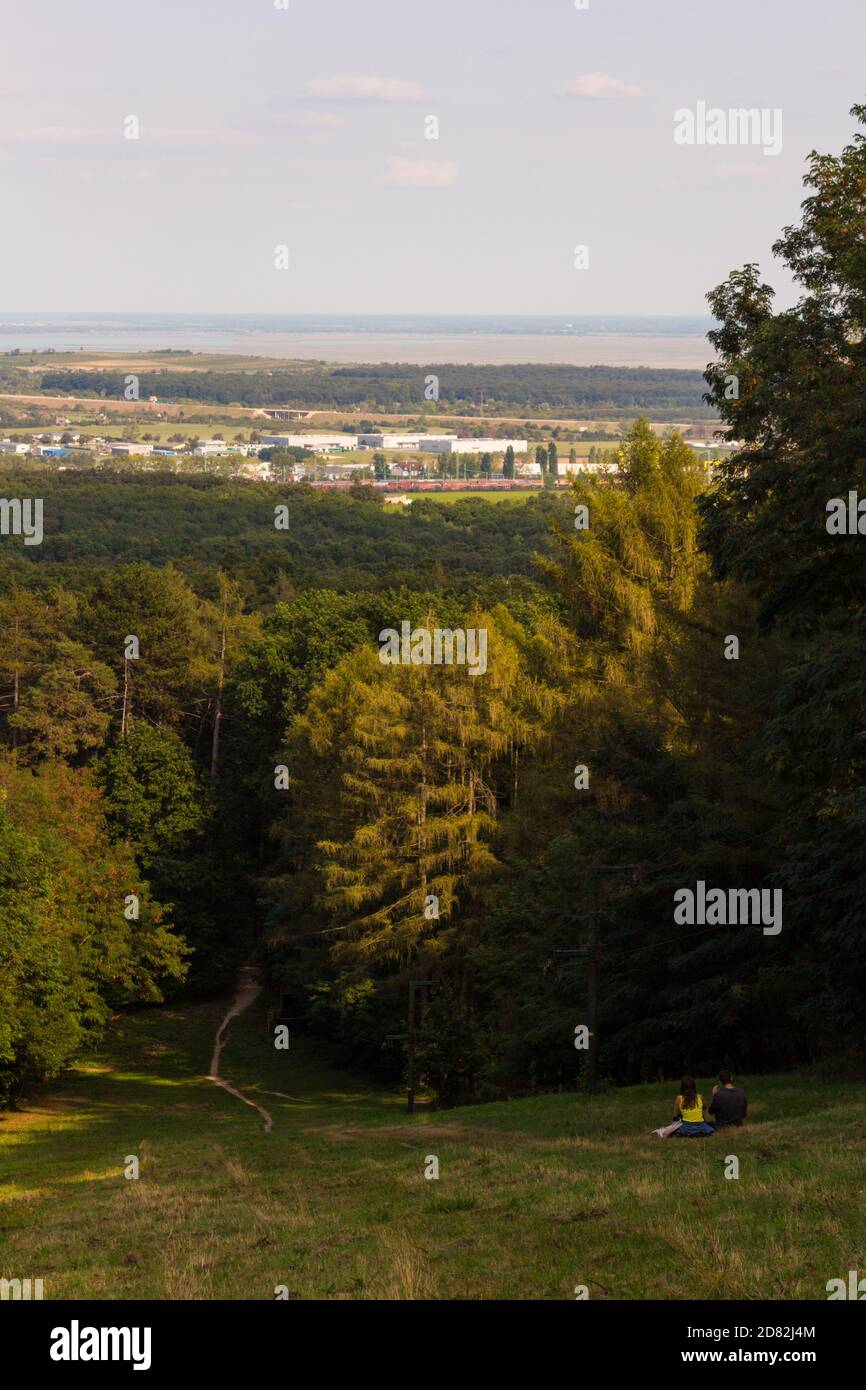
x,y
534,1197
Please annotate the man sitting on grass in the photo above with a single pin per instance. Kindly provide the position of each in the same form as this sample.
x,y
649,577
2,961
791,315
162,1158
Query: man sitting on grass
x,y
728,1105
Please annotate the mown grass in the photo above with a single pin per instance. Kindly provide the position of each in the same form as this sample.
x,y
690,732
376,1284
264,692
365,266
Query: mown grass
x,y
460,496
534,1196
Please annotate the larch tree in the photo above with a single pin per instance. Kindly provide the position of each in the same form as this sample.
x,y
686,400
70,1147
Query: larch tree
x,y
419,763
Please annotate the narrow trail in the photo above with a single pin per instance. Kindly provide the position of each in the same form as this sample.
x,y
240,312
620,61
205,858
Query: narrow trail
x,y
248,990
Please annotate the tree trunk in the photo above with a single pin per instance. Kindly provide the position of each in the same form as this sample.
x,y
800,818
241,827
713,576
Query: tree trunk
x,y
218,713
422,814
15,681
124,716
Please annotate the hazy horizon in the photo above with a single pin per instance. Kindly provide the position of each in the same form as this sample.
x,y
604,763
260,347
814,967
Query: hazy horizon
x,y
27,321
616,340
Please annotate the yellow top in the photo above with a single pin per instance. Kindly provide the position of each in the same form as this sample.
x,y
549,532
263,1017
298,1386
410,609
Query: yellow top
x,y
695,1115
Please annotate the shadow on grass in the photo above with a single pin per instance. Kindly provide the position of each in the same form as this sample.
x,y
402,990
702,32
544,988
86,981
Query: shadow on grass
x,y
147,1087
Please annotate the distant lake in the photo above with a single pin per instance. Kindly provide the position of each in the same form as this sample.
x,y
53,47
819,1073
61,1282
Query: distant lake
x,y
614,340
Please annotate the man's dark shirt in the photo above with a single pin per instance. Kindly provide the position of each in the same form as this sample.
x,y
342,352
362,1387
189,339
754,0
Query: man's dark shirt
x,y
728,1106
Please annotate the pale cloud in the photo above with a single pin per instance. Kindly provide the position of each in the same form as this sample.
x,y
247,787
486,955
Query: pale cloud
x,y
600,84
74,139
419,173
364,89
300,117
56,135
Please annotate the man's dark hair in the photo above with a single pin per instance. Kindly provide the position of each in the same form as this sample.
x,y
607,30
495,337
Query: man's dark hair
x,y
725,1077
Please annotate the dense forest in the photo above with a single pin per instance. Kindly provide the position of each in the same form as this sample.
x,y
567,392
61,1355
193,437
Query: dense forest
x,y
577,392
347,540
205,760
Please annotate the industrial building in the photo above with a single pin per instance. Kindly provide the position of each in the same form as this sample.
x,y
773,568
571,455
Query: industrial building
x,y
320,443
377,440
476,446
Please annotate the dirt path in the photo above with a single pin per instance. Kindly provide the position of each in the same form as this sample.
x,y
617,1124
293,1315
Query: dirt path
x,y
248,990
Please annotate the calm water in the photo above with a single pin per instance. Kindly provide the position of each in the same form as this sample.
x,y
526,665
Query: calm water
x,y
616,340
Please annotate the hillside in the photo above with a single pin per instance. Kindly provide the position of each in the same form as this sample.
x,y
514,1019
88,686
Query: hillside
x,y
534,1196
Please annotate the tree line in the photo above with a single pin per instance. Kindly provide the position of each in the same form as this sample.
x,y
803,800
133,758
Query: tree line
x,y
584,392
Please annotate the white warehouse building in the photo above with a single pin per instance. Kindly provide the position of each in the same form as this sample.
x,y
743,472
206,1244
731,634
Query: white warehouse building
x,y
322,443
209,448
478,446
377,440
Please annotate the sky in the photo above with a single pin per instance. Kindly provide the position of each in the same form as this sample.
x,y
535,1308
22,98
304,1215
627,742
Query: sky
x,y
306,128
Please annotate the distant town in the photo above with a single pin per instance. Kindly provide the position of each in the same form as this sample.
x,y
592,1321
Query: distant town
x,y
503,429
427,462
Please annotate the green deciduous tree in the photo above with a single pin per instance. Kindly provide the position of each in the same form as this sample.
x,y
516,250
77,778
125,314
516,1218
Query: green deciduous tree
x,y
68,953
151,792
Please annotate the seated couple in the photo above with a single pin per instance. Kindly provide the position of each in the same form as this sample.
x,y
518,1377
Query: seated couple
x,y
727,1107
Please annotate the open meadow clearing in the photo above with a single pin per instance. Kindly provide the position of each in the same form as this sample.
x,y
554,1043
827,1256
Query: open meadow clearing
x,y
534,1197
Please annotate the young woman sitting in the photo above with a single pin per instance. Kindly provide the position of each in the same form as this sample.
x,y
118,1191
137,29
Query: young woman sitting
x,y
688,1121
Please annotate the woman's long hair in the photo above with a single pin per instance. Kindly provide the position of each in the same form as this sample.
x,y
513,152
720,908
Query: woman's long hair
x,y
689,1092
